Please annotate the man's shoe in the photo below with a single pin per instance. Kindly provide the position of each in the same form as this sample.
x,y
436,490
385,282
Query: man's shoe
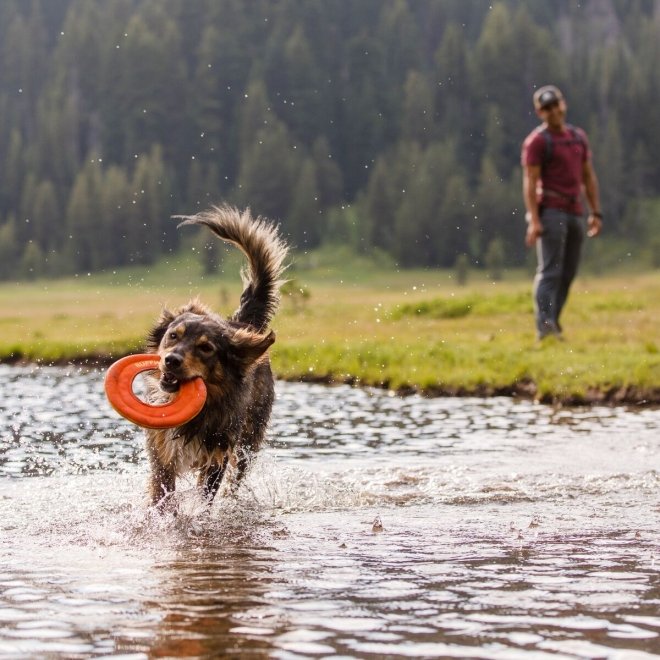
x,y
549,329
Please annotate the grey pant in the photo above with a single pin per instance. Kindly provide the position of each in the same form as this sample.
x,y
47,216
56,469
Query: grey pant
x,y
558,255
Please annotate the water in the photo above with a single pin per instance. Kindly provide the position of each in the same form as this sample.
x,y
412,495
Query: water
x,y
372,526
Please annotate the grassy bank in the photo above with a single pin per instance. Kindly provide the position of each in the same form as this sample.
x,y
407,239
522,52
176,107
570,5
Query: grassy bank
x,y
410,330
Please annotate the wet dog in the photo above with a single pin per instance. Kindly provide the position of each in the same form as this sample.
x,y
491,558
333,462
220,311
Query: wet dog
x,y
229,354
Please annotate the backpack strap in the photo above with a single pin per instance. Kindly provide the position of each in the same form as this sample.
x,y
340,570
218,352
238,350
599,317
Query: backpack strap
x,y
577,136
547,136
547,153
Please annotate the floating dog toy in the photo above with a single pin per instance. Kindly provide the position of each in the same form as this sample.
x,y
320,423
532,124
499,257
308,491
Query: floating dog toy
x,y
119,389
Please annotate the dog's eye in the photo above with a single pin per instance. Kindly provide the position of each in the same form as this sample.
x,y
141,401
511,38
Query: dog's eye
x,y
173,335
206,347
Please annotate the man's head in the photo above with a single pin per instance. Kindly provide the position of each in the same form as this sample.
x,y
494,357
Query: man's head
x,y
550,105
547,96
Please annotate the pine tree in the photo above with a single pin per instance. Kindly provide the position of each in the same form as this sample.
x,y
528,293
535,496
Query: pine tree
x,y
115,212
32,264
452,77
363,112
386,191
59,148
423,235
46,217
495,201
195,190
302,95
221,70
23,54
304,220
268,173
25,207
495,258
417,123
254,115
329,177
83,249
609,164
150,208
152,90
9,249
455,220
13,172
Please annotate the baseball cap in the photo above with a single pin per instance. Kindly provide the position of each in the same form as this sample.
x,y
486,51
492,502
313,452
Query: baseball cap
x,y
545,96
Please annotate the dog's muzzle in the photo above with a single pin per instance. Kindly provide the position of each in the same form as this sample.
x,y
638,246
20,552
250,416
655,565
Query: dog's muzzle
x,y
170,380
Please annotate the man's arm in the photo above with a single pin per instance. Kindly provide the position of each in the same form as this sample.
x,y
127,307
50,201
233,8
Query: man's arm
x,y
531,176
591,190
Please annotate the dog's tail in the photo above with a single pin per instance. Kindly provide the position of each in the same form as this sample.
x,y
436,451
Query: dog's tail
x,y
265,251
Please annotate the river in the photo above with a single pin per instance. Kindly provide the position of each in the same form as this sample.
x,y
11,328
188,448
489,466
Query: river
x,y
372,526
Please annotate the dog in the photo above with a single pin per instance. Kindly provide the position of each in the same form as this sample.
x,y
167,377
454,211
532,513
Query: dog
x,y
229,354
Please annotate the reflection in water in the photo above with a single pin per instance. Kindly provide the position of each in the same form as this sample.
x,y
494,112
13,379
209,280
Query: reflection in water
x,y
203,597
508,530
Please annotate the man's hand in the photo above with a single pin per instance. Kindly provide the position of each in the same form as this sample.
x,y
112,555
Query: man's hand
x,y
594,225
534,230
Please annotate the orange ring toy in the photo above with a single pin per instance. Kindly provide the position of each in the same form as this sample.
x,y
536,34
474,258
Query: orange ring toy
x,y
119,390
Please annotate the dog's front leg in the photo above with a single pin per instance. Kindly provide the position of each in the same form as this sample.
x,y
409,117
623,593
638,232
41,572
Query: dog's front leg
x,y
242,465
211,478
162,481
161,487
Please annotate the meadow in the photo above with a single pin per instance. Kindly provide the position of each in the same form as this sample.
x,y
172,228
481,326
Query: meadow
x,y
345,319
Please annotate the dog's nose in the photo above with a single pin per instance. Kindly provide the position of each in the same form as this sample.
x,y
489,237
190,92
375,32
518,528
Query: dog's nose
x,y
173,361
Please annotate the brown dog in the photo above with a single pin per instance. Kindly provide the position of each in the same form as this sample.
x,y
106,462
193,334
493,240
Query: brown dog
x,y
229,354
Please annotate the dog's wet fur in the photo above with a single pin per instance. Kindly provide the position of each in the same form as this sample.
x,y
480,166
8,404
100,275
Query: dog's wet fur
x,y
229,354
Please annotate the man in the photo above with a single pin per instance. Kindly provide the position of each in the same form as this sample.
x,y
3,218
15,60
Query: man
x,y
557,168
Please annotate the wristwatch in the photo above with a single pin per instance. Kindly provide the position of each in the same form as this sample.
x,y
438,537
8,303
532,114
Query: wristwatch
x,y
598,214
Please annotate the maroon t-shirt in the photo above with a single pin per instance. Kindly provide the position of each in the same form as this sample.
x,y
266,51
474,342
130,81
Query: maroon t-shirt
x,y
560,185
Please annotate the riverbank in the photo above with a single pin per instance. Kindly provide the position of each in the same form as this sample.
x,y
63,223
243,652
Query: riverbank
x,y
630,395
411,331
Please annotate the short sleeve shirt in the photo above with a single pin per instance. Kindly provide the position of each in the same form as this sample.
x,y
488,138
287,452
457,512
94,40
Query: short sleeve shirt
x,y
561,179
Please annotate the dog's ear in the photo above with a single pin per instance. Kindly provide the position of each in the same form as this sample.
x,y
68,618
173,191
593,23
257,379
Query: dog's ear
x,y
156,334
249,345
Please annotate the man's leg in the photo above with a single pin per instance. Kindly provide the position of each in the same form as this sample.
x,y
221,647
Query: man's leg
x,y
574,240
550,249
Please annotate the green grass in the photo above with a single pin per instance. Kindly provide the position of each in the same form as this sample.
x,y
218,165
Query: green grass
x,y
454,307
359,321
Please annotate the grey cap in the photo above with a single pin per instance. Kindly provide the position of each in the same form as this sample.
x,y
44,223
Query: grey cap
x,y
545,96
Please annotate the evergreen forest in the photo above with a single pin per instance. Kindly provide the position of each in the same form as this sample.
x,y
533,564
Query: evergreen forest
x,y
393,127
